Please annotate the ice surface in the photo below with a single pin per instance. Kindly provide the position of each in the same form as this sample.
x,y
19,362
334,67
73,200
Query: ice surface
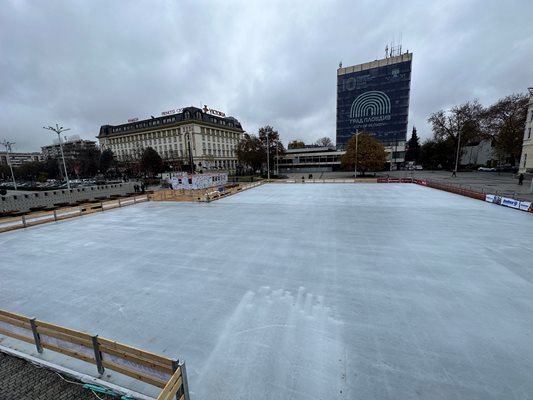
x,y
325,291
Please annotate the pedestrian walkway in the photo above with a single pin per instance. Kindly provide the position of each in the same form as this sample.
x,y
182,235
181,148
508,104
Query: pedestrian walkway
x,y
21,380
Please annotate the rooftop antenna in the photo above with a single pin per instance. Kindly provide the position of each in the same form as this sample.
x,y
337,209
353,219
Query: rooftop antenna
x,y
340,64
387,51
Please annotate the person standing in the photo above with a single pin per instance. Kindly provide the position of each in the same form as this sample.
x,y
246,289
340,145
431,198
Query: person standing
x,y
521,179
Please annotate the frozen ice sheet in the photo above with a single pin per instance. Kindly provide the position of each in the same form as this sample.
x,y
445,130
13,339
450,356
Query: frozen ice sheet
x,y
301,291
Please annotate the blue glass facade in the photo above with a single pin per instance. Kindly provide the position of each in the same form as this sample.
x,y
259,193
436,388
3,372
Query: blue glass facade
x,y
374,99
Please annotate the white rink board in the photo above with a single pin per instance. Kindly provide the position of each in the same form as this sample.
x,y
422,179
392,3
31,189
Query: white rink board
x,y
325,291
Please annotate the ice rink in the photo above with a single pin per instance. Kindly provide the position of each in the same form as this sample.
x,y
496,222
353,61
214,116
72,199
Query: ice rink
x,y
302,291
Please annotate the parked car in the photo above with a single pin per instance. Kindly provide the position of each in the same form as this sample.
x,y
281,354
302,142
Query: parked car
x,y
418,167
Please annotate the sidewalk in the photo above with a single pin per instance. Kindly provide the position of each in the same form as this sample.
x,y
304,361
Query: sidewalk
x,y
20,380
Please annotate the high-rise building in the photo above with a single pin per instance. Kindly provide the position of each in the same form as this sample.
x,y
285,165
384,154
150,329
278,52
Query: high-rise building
x,y
526,161
374,97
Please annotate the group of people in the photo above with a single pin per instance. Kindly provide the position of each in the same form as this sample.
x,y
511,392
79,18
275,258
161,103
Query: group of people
x,y
139,188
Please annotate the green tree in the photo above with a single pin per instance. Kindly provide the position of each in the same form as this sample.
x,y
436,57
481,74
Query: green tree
x,y
296,144
413,147
324,142
505,124
371,155
250,152
151,162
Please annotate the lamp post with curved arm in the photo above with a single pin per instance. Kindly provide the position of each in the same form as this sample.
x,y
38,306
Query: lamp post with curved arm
x,y
59,130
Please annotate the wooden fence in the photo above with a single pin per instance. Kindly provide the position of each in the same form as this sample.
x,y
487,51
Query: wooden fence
x,y
200,195
151,368
42,217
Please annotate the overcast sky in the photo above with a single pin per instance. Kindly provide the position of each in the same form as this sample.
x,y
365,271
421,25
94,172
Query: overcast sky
x,y
83,64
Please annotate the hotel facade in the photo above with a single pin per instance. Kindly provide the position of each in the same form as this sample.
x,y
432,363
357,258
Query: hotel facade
x,y
206,137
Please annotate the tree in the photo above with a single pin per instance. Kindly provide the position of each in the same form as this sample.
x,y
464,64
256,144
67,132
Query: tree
x,y
324,142
151,162
371,155
274,144
463,121
437,154
296,144
85,165
413,147
505,124
250,152
107,161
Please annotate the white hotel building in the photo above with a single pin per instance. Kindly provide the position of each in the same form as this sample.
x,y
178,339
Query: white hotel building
x,y
211,136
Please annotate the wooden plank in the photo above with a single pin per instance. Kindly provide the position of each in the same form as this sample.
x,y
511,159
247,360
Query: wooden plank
x,y
6,220
110,344
68,331
67,338
11,228
39,221
138,359
166,392
170,391
67,352
39,214
134,374
17,336
14,315
170,384
16,322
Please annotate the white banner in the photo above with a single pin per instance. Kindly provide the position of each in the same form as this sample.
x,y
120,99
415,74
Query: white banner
x,y
508,202
526,206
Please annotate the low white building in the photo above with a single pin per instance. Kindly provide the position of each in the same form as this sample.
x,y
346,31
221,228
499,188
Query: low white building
x,y
198,181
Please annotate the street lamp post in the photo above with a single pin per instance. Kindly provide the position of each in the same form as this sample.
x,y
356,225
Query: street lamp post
x,y
457,155
356,140
8,157
277,159
59,130
268,158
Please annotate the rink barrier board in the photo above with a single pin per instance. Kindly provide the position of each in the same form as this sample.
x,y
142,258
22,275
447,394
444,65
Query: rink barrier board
x,y
42,217
145,366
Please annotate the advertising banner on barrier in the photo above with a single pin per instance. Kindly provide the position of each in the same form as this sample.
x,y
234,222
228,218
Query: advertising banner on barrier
x,y
491,198
526,206
508,202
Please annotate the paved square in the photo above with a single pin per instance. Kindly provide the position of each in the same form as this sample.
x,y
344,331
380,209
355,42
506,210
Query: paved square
x,y
325,291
